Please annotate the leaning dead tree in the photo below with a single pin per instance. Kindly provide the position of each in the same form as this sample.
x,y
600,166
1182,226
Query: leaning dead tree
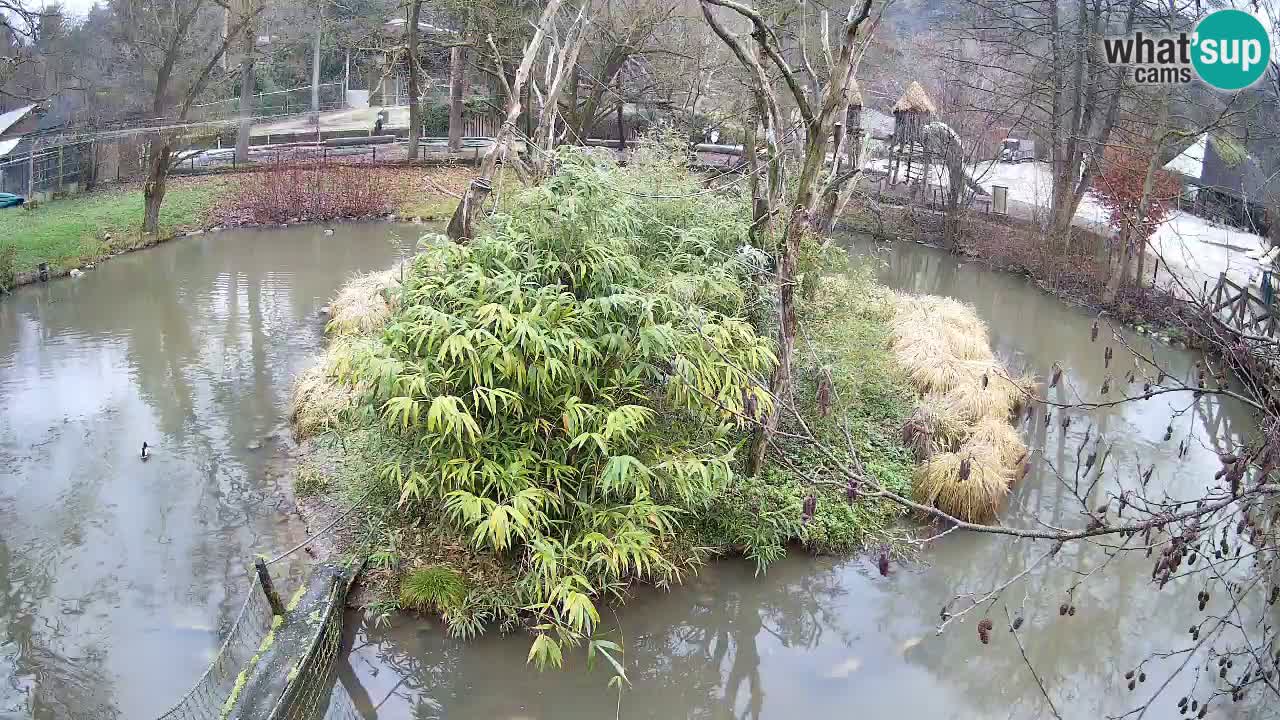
x,y
461,225
560,65
761,53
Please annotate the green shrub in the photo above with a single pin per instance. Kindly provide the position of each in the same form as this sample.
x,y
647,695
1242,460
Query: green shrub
x,y
435,588
566,386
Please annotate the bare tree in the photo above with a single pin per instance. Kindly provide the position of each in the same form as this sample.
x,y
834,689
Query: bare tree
x,y
457,80
177,47
818,113
244,9
412,32
561,63
1041,60
462,223
19,28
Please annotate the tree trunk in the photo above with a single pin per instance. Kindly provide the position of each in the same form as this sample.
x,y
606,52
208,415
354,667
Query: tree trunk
x,y
622,127
247,79
315,66
759,198
158,154
415,104
798,226
457,75
1119,268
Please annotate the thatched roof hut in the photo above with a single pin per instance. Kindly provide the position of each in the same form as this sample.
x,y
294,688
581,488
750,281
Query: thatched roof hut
x,y
916,100
911,113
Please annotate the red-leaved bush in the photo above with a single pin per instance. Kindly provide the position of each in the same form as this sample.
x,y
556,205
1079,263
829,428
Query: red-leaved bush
x,y
1119,189
312,191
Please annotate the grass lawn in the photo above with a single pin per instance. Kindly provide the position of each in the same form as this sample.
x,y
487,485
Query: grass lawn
x,y
73,231
81,229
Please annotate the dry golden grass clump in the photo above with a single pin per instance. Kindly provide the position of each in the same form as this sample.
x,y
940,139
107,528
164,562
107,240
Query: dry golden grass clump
x,y
364,304
970,484
322,393
970,453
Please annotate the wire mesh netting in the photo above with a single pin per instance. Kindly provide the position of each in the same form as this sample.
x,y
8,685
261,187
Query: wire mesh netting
x,y
282,667
274,104
61,168
313,692
206,699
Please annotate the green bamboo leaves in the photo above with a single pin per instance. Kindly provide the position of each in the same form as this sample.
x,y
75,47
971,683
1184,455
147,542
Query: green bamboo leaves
x,y
566,386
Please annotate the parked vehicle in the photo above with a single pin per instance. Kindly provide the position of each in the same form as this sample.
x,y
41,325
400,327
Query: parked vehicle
x,y
1015,150
8,200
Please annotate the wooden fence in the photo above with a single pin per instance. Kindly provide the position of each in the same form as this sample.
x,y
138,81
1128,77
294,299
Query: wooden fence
x,y
1238,307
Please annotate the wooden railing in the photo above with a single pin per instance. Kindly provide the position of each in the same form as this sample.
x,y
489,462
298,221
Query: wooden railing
x,y
1238,307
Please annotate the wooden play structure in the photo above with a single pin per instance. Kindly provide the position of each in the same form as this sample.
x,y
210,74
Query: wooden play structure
x,y
908,150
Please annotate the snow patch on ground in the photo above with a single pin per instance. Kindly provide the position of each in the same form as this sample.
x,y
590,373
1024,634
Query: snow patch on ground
x,y
1194,249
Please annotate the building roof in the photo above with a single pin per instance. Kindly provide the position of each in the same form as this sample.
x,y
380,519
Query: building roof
x,y
1230,168
914,100
1190,162
13,117
7,146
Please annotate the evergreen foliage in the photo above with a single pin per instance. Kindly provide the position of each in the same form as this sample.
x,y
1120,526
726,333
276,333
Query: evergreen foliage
x,y
553,411
567,386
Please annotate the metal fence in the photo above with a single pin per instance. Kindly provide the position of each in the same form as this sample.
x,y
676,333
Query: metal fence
x,y
50,171
208,698
273,104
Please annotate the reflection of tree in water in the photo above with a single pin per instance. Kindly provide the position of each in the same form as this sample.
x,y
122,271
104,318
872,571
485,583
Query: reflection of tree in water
x,y
693,652
711,658
1120,617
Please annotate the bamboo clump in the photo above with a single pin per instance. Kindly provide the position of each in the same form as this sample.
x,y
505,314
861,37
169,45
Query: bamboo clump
x,y
969,452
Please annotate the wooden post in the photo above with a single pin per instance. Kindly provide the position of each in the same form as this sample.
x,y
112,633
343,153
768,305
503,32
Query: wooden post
x,y
31,172
460,226
268,588
622,129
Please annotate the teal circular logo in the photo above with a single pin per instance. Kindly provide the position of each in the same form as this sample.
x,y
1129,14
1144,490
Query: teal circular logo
x,y
1232,49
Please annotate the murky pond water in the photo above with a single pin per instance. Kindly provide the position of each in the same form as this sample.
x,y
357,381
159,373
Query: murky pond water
x,y
824,637
115,574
